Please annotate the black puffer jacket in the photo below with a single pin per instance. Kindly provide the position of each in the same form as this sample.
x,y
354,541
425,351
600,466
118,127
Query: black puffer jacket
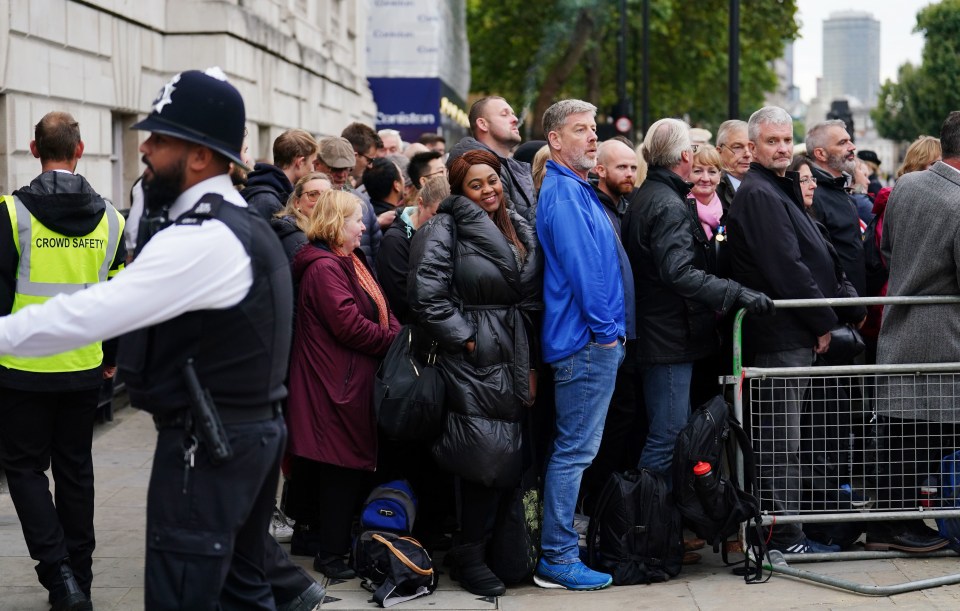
x,y
464,284
678,298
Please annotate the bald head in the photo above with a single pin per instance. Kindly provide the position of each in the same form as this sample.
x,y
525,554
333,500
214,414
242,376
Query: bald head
x,y
616,167
57,139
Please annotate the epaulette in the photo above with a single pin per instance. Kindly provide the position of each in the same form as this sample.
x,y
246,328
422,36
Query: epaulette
x,y
207,208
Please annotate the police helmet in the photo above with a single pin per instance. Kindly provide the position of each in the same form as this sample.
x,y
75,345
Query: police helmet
x,y
200,107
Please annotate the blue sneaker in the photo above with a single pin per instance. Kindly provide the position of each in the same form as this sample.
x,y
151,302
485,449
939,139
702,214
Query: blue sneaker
x,y
573,576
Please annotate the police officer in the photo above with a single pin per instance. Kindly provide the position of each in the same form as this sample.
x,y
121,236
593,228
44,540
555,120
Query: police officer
x,y
206,307
56,236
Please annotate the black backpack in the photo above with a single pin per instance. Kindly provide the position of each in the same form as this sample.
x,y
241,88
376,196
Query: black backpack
x,y
706,492
395,568
635,533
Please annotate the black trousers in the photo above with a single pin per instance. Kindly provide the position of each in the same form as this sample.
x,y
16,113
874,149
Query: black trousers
x,y
208,542
327,498
478,512
40,430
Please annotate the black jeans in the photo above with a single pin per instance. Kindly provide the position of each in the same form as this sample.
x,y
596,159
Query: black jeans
x,y
40,430
208,526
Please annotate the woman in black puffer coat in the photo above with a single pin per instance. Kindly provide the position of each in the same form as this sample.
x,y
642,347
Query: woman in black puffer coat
x,y
475,277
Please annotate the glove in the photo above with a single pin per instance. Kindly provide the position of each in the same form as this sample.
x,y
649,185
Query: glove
x,y
755,302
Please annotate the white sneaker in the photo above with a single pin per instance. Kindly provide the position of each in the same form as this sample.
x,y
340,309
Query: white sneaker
x,y
281,527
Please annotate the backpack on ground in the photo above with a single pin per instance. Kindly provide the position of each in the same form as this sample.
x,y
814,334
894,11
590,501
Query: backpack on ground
x,y
705,487
395,568
390,507
635,533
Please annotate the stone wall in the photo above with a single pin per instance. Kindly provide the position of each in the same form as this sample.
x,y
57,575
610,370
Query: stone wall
x,y
298,63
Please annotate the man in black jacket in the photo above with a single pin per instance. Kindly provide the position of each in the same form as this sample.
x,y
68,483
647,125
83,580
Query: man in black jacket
x,y
494,127
835,161
776,248
678,298
269,186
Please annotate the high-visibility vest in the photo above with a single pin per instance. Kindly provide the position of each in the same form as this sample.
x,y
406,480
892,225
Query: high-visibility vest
x,y
52,263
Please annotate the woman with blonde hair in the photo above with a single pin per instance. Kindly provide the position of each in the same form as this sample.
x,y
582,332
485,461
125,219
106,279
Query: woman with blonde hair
x,y
290,221
539,166
921,154
705,176
343,328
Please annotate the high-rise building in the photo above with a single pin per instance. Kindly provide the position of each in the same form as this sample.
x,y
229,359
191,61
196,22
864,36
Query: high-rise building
x,y
851,57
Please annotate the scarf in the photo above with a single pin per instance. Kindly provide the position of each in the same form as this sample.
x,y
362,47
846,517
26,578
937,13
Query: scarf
x,y
709,214
370,287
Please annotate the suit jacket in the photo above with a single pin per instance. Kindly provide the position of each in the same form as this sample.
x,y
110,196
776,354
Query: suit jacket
x,y
921,243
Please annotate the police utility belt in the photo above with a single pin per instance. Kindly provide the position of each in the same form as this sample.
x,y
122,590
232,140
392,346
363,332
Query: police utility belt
x,y
203,421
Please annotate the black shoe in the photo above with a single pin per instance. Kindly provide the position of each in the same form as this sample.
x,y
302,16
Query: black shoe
x,y
333,567
67,595
308,600
906,536
471,570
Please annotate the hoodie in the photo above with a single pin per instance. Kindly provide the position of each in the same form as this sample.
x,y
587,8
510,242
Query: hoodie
x,y
267,189
67,204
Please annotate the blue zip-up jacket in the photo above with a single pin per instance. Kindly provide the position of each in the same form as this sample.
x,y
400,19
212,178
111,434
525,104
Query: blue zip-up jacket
x,y
582,285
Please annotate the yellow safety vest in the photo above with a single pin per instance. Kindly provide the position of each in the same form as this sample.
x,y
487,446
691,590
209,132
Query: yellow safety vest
x,y
52,263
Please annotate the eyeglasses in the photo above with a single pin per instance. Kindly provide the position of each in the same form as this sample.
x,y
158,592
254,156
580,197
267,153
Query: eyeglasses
x,y
339,170
369,159
311,196
736,149
808,180
440,172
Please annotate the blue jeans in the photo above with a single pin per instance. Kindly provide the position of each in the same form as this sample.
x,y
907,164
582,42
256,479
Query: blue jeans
x,y
666,391
584,384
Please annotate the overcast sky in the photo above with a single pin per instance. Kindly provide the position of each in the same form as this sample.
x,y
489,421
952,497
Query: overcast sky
x,y
898,44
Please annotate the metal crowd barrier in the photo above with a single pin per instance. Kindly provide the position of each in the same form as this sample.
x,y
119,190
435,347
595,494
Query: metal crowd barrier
x,y
852,464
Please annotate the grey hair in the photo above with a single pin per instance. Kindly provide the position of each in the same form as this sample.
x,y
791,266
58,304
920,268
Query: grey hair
x,y
555,116
773,115
666,141
731,125
817,135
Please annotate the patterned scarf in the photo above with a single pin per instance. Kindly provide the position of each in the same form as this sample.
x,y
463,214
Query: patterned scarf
x,y
370,286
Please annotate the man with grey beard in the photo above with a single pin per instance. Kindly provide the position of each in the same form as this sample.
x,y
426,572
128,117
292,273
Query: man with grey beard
x,y
834,156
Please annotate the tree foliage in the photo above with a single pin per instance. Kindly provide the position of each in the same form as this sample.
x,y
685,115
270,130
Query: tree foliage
x,y
924,95
536,52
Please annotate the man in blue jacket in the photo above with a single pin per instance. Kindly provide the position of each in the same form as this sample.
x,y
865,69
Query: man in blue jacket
x,y
583,330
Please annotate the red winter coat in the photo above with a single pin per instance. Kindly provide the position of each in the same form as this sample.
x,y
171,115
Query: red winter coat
x,y
337,347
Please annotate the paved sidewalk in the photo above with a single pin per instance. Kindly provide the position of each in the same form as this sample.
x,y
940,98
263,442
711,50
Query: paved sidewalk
x,y
122,456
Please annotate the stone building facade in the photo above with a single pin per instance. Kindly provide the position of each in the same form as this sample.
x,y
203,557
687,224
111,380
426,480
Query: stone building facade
x,y
298,63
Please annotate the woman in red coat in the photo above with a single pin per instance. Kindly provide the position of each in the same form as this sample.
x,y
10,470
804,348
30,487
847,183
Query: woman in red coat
x,y
343,329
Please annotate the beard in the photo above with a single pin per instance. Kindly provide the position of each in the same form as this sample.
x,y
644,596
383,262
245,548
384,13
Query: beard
x,y
163,188
622,187
583,163
840,163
